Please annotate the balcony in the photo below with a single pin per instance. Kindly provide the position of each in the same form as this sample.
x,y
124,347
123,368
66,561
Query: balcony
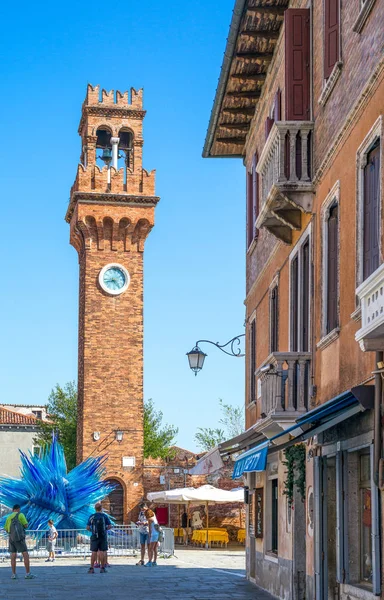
x,y
284,390
371,296
285,169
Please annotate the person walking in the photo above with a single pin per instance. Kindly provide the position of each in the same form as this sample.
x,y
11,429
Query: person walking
x,y
51,545
142,524
15,526
153,538
98,524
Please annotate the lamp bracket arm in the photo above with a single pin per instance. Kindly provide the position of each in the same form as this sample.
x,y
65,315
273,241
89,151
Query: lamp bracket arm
x,y
234,346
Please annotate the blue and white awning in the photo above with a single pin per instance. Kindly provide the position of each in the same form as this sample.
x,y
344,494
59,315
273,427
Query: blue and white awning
x,y
253,460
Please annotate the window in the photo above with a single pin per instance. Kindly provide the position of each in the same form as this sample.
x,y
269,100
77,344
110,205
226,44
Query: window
x,y
275,114
274,319
368,223
371,243
252,201
365,513
297,64
300,282
332,268
331,35
252,362
363,520
38,414
274,515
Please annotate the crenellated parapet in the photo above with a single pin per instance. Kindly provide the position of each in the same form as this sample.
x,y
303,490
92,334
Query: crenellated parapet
x,y
95,97
95,228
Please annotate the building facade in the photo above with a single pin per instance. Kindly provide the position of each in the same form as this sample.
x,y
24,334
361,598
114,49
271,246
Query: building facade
x,y
110,213
18,431
301,101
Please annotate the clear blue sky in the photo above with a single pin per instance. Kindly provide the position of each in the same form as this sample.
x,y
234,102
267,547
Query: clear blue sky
x,y
194,257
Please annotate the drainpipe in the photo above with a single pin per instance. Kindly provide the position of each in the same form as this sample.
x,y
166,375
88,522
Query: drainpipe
x,y
377,420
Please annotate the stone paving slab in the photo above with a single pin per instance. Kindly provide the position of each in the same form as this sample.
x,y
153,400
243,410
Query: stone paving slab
x,y
190,575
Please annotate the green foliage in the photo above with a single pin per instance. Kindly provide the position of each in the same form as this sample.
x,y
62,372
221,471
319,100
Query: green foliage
x,y
295,463
62,413
232,421
208,438
158,438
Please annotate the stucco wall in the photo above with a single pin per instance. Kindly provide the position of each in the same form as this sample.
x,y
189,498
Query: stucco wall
x,y
10,444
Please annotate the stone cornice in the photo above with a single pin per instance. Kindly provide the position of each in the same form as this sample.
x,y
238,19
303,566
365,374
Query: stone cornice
x,y
105,198
350,121
109,111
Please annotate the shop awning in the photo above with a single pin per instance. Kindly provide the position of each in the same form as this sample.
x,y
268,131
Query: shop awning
x,y
316,421
251,461
212,460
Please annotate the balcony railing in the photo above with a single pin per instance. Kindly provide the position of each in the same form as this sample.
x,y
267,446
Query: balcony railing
x,y
371,295
285,169
285,387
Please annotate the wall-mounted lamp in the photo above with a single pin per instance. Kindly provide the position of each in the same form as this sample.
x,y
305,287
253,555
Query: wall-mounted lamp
x,y
266,368
119,436
96,436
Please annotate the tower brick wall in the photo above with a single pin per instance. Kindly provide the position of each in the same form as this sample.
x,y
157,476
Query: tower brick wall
x,y
110,213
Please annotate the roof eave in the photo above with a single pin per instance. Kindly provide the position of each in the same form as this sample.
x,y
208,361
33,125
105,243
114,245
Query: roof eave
x,y
224,73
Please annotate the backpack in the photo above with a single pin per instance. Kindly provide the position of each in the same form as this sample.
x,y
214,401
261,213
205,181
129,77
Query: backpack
x,y
160,532
98,525
16,530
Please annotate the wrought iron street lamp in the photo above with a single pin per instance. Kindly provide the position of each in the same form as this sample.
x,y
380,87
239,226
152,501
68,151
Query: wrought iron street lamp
x,y
196,356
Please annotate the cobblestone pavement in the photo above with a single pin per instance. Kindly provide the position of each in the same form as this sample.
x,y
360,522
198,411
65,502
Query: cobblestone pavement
x,y
190,575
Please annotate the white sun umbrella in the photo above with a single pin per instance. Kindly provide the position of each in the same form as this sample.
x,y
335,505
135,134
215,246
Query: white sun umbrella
x,y
205,494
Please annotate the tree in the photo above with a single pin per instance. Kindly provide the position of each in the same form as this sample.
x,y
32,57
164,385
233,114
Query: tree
x,y
208,438
233,422
62,414
158,438
233,419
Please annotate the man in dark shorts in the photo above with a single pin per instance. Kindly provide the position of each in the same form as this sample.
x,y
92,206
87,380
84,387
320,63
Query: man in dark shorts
x,y
16,531
98,524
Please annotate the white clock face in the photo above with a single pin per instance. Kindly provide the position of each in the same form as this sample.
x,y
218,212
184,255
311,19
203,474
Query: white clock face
x,y
114,279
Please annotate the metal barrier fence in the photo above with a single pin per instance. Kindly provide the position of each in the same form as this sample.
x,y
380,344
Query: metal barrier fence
x,y
123,540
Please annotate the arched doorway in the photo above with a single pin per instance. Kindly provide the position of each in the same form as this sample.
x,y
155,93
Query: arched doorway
x,y
114,503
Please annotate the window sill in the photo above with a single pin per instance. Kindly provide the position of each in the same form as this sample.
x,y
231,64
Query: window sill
x,y
356,315
363,15
330,83
360,591
328,339
272,557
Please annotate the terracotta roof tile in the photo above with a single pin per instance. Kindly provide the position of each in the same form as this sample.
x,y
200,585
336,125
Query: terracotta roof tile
x,y
9,417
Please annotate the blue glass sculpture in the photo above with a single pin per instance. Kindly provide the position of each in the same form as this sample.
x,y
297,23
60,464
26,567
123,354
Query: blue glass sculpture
x,y
46,491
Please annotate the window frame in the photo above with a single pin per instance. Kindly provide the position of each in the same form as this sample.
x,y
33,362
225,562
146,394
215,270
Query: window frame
x,y
252,398
274,318
376,132
297,253
329,202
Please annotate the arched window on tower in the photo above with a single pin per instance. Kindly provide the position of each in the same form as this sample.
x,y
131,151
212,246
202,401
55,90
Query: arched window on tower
x,y
126,150
104,143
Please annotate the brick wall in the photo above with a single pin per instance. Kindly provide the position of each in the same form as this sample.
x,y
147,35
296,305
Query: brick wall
x,y
109,224
230,516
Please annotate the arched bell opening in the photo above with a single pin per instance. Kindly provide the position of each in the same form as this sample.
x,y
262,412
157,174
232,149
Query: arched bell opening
x,y
104,143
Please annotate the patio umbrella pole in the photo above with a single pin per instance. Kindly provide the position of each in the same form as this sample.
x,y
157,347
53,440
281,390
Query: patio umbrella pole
x,y
207,520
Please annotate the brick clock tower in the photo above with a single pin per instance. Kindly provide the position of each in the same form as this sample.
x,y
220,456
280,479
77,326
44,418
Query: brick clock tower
x,y
111,212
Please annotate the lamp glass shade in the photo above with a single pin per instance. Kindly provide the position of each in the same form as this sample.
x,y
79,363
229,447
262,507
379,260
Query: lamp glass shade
x,y
196,359
119,436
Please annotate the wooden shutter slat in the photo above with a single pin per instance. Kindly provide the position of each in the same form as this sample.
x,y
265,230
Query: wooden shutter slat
x,y
297,64
331,35
371,210
332,282
255,193
277,106
274,318
253,362
294,303
268,126
249,208
305,293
